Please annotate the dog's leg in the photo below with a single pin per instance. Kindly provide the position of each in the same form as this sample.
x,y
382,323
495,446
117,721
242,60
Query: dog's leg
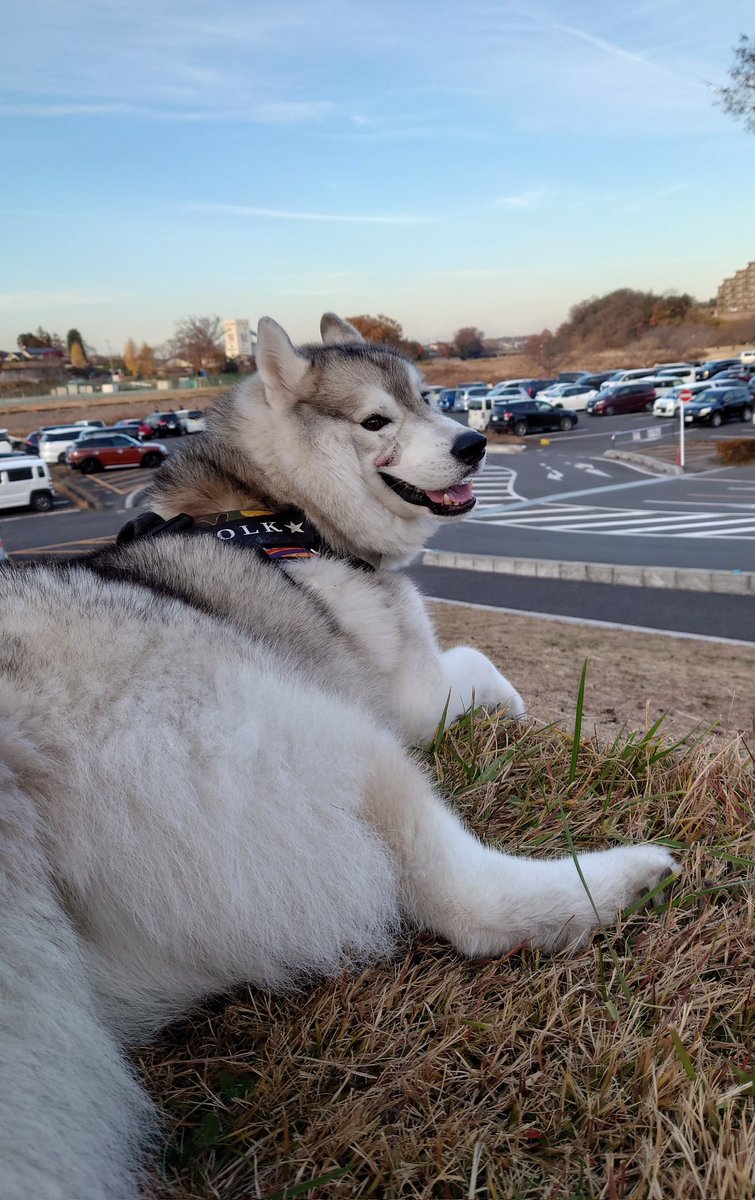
x,y
486,902
73,1120
427,681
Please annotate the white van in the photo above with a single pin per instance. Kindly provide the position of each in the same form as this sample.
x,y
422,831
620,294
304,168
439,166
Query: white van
x,y
747,358
479,411
54,443
25,482
6,445
191,420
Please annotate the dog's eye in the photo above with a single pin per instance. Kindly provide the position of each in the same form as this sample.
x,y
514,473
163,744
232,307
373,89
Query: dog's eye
x,y
375,422
426,397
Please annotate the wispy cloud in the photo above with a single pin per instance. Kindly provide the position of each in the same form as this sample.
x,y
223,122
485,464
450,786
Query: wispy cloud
x,y
617,51
33,300
280,214
273,113
523,200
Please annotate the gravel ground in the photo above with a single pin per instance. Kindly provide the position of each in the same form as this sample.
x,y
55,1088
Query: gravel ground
x,y
632,678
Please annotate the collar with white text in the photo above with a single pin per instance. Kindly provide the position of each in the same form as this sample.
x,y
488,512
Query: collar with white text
x,y
275,535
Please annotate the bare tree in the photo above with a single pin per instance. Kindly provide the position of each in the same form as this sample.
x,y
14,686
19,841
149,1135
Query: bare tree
x,y
738,100
197,340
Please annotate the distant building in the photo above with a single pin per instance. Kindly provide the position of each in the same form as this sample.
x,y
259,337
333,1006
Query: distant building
x,y
737,294
238,338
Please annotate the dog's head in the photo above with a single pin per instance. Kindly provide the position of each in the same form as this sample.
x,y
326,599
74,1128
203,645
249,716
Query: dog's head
x,y
345,430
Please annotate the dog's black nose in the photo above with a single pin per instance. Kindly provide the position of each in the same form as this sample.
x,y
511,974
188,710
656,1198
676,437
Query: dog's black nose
x,y
469,447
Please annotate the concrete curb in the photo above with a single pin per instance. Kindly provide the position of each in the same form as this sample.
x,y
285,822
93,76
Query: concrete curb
x,y
683,579
659,465
133,498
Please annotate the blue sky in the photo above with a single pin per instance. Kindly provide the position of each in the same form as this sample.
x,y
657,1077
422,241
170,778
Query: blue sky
x,y
460,162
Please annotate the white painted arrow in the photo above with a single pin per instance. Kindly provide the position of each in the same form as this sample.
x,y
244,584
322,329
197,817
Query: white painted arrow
x,y
552,473
591,470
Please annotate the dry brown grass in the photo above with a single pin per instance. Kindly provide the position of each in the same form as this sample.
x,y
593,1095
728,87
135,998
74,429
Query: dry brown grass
x,y
624,1071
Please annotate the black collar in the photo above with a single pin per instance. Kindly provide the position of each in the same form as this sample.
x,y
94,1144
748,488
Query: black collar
x,y
274,536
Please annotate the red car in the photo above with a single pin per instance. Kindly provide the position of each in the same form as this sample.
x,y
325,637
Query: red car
x,y
102,450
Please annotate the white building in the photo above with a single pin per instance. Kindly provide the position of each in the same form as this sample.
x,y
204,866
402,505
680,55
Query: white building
x,y
238,338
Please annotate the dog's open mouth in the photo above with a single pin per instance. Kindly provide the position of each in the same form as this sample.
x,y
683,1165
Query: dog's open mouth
x,y
452,501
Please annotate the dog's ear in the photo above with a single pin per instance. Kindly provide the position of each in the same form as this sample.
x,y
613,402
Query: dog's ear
x,y
335,331
278,363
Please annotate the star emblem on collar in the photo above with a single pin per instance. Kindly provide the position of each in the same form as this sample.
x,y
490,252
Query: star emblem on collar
x,y
292,528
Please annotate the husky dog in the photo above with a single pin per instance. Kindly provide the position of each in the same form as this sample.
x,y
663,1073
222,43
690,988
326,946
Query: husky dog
x,y
204,775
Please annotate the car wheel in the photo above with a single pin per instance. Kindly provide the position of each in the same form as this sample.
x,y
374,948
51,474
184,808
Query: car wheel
x,y
152,459
62,458
609,411
565,423
649,406
520,428
89,466
41,502
746,413
716,420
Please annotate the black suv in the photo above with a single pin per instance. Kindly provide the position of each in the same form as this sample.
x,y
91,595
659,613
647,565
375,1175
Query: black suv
x,y
529,416
164,424
716,405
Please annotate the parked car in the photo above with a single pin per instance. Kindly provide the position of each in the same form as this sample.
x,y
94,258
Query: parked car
x,y
466,393
53,445
628,376
747,357
529,416
680,374
516,388
104,450
25,483
597,379
667,404
192,420
573,396
570,376
622,398
446,399
163,424
713,366
6,445
717,405
135,427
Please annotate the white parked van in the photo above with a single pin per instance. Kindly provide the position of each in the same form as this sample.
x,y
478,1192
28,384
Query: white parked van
x,y
479,411
747,358
191,420
25,482
54,443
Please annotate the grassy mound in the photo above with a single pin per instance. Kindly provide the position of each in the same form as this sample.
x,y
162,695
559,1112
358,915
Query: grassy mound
x,y
626,1070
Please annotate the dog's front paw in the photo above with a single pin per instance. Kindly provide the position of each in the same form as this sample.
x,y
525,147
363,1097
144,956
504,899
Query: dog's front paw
x,y
473,680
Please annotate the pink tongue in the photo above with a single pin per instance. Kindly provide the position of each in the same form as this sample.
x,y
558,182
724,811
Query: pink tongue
x,y
459,494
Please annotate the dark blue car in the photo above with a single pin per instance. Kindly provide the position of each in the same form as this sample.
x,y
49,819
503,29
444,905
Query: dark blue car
x,y
716,405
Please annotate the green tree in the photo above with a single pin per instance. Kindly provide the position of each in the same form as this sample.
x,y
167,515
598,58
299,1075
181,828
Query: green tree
x,y
738,100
